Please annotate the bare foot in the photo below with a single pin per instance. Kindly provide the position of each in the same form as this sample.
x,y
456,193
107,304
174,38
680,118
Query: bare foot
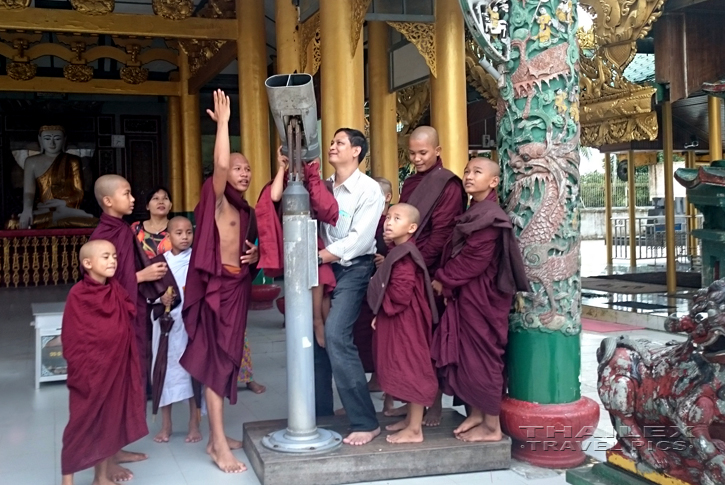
x,y
393,412
433,415
470,422
481,433
194,435
255,387
103,481
406,435
226,461
319,328
163,435
117,473
124,456
340,412
359,438
397,426
234,444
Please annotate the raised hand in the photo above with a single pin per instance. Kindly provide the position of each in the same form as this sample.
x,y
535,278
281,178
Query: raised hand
x,y
282,160
222,107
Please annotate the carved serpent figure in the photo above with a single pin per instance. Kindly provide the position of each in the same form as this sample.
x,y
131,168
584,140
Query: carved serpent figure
x,y
546,168
667,403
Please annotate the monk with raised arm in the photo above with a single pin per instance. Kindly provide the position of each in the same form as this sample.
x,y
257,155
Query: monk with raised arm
x,y
219,285
480,273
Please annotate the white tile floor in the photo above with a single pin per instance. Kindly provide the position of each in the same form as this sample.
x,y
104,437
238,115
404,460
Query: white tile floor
x,y
32,422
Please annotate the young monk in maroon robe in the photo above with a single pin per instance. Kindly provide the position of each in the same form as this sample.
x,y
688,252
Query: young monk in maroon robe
x,y
323,207
482,269
362,332
437,193
104,375
219,285
402,298
113,194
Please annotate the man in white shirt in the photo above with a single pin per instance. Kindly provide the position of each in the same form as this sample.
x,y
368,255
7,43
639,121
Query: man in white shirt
x,y
350,247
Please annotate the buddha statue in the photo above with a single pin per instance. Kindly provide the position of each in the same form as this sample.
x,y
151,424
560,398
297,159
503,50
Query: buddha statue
x,y
54,178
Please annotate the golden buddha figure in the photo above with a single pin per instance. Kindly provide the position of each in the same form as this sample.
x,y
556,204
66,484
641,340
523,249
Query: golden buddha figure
x,y
53,177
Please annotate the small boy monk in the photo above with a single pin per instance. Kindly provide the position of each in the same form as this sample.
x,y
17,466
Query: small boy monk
x,y
401,296
480,273
324,208
363,333
113,194
177,385
106,398
219,285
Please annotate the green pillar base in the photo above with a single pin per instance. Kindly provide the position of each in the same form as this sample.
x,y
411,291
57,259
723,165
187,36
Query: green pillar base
x,y
603,474
544,367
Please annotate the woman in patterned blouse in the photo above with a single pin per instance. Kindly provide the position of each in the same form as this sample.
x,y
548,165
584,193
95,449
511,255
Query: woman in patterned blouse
x,y
152,233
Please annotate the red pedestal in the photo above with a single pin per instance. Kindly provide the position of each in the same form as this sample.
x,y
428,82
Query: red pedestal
x,y
280,305
263,296
549,435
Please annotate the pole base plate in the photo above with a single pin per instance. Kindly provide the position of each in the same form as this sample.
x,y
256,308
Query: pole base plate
x,y
322,441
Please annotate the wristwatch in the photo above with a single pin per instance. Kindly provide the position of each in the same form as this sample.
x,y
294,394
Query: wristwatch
x,y
319,260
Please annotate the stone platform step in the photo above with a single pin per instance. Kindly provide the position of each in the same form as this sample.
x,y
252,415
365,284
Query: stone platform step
x,y
625,317
439,454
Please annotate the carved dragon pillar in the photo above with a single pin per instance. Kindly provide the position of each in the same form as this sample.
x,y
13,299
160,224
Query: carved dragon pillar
x,y
531,48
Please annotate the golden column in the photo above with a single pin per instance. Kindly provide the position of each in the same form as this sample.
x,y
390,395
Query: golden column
x,y
285,19
383,107
176,152
339,73
632,190
671,259
191,129
253,107
359,62
608,207
448,90
714,110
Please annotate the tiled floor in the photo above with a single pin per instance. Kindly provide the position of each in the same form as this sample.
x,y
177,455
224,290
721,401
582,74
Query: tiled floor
x,y
32,422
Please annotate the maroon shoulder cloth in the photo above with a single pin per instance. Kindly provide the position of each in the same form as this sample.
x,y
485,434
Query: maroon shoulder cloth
x,y
424,190
107,402
216,298
381,278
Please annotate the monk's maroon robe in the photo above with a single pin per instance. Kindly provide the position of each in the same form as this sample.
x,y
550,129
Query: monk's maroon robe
x,y
323,207
362,334
401,296
481,271
131,258
216,298
107,405
438,194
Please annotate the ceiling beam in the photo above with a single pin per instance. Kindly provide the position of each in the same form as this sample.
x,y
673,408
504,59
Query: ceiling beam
x,y
52,20
672,5
94,86
224,56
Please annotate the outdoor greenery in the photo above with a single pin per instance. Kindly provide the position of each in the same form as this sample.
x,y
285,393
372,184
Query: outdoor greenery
x,y
592,189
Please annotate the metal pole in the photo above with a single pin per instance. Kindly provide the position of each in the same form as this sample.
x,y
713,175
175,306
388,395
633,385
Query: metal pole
x,y
632,212
691,213
669,198
608,206
300,274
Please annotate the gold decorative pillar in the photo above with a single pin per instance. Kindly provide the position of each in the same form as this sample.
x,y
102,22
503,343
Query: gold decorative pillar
x,y
714,110
288,58
691,211
608,207
383,115
671,260
448,87
253,107
341,97
191,138
176,152
632,202
358,62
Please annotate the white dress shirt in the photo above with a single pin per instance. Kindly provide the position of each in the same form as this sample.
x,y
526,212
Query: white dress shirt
x,y
361,202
